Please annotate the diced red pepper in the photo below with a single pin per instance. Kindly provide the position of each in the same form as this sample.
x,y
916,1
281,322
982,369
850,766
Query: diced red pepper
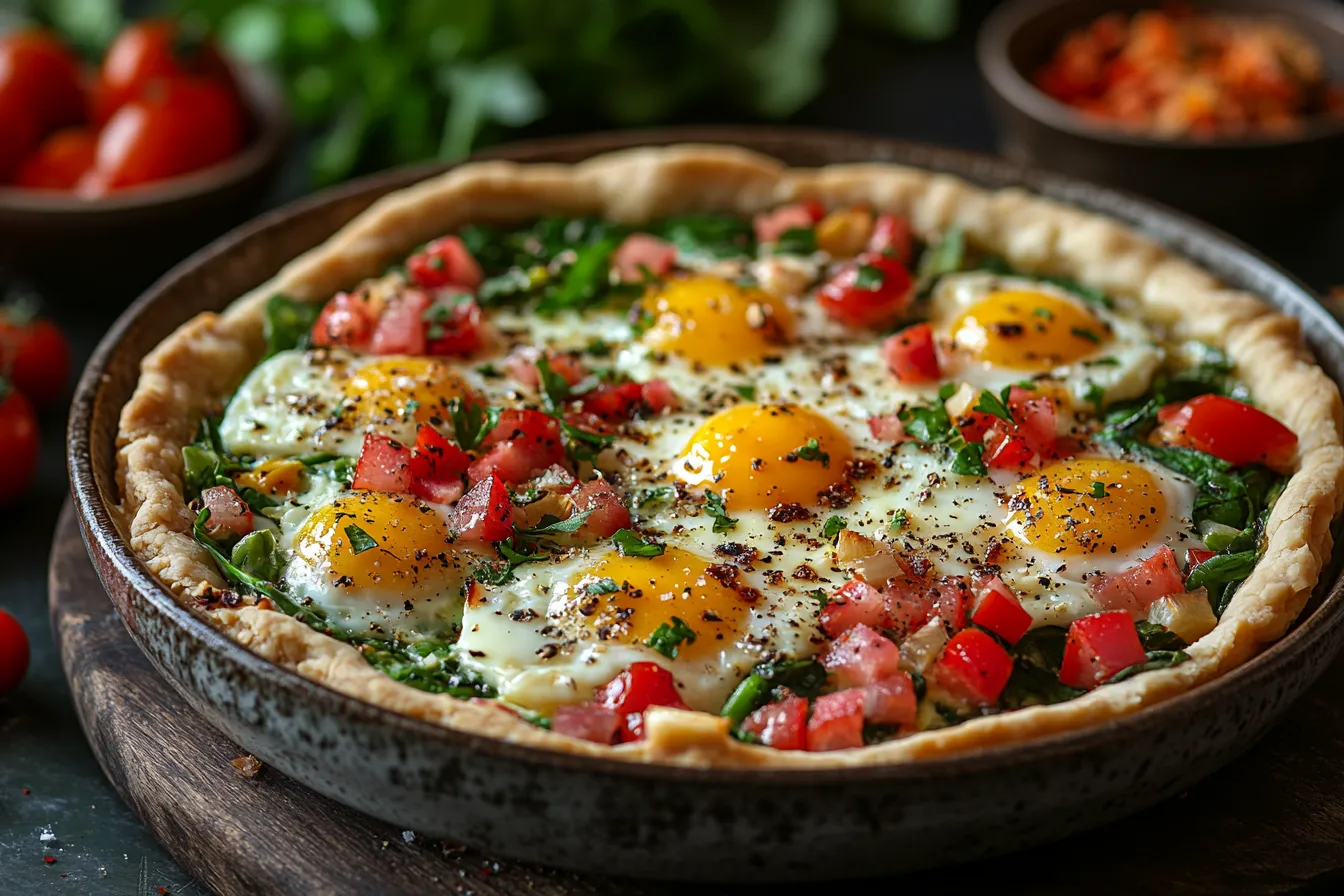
x,y
1229,429
636,689
837,721
1135,588
229,514
346,320
891,701
999,610
587,722
781,725
911,357
974,666
1098,646
892,236
607,513
871,291
485,512
861,656
400,329
444,262
639,253
384,465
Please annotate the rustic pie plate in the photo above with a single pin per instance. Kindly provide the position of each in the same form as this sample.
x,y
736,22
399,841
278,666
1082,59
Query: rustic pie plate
x,y
654,821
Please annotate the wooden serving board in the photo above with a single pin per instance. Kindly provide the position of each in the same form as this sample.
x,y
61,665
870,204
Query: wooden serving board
x,y
1272,822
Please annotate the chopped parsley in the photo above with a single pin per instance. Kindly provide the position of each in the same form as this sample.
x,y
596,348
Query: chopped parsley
x,y
360,540
811,452
471,422
667,639
796,241
899,520
602,586
1044,313
746,391
1084,333
833,526
996,405
550,525
581,444
869,278
630,544
714,506
500,572
554,388
653,498
1098,489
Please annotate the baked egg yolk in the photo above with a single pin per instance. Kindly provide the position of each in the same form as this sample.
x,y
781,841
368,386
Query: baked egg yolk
x,y
652,591
711,321
390,388
759,455
377,540
1088,505
1026,330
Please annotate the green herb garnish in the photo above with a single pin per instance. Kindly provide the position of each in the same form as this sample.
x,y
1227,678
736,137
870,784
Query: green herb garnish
x,y
667,639
360,541
833,526
714,506
630,544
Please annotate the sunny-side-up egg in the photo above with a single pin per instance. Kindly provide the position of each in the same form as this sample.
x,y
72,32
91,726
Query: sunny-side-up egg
x,y
377,563
1003,330
325,400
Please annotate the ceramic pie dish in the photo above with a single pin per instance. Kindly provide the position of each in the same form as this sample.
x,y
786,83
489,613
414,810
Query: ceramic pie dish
x,y
1053,807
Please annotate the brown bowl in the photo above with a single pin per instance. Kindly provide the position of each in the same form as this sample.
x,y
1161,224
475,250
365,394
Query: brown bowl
x,y
612,817
122,242
1243,183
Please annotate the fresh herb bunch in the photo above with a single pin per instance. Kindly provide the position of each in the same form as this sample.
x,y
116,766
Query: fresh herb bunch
x,y
383,82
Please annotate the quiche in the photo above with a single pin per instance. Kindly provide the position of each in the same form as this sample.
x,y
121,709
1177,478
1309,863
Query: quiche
x,y
680,455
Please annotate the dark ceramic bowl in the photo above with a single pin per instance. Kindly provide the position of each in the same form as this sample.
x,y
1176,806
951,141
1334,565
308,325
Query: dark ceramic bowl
x,y
130,238
1245,183
608,816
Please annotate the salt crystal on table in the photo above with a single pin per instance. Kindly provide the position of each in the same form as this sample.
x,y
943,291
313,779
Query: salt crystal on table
x,y
408,836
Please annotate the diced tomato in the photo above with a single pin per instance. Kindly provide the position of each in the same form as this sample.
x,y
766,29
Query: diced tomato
x,y
640,252
781,725
1137,587
346,320
384,465
837,721
1230,429
613,402
400,329
854,603
951,600
1007,452
587,722
521,364
607,513
1194,557
636,689
437,458
1098,646
974,666
1035,417
891,701
911,357
438,491
770,226
453,327
871,291
485,512
909,603
861,656
229,514
975,425
887,428
444,262
998,610
657,396
892,236
522,445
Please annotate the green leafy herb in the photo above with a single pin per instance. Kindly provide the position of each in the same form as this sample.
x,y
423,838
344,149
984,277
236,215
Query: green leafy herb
x,y
746,392
668,638
1084,333
471,422
653,498
946,256
708,236
602,586
585,283
833,526
555,389
796,241
630,544
1157,637
582,444
1095,395
997,405
928,424
969,460
805,678
248,581
288,323
427,664
714,506
899,520
258,554
1044,313
810,452
1098,489
550,525
820,596
1037,657
360,540
869,278
1157,659
489,371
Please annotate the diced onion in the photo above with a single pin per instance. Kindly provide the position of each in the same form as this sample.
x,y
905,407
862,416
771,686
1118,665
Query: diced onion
x,y
1189,615
960,402
1217,536
921,649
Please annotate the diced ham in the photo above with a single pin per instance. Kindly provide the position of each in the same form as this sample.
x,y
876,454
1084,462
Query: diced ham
x,y
887,428
890,701
1135,588
770,226
587,722
837,721
951,600
854,603
861,656
229,514
521,365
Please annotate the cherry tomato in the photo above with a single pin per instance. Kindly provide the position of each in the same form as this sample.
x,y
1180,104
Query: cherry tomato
x,y
13,653
60,161
35,355
21,133
38,74
177,126
873,291
150,50
18,443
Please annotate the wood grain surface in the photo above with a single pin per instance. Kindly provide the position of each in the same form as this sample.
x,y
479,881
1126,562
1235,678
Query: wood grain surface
x,y
1272,822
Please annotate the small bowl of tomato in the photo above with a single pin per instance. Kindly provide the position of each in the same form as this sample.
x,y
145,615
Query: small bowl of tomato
x,y
109,174
1227,109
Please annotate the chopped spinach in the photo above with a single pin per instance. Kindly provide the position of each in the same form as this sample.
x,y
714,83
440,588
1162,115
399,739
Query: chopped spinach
x,y
1156,637
708,237
797,241
1157,659
805,678
360,541
471,422
288,323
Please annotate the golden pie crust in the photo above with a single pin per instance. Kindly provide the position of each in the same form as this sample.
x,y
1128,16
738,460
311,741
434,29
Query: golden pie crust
x,y
192,371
